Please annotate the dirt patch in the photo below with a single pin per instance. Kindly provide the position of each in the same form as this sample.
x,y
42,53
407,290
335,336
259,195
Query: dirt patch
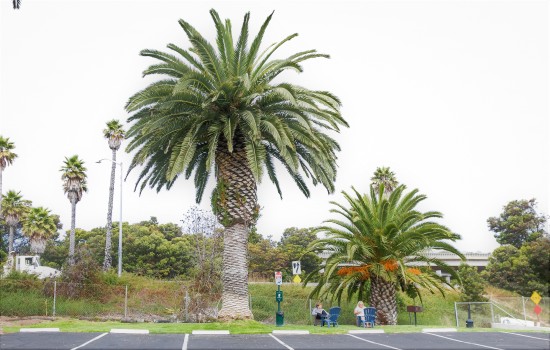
x,y
20,321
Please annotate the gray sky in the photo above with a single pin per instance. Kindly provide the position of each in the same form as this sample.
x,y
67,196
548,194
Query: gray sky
x,y
452,95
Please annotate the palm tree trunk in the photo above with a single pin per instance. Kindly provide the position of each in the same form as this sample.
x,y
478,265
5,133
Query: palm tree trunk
x,y
383,298
236,207
73,226
10,239
108,262
235,274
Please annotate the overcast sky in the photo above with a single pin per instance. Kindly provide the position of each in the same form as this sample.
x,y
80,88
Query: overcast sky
x,y
451,95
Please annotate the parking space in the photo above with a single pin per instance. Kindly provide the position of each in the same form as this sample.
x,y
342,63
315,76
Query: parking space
x,y
244,341
402,341
44,341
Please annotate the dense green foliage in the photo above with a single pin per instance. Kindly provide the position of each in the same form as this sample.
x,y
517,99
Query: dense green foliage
x,y
267,256
473,284
522,270
518,223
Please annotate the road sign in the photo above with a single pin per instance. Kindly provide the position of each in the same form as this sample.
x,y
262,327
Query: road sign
x,y
278,278
279,295
296,268
536,297
538,309
296,279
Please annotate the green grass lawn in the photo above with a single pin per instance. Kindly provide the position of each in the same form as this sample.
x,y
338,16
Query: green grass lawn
x,y
236,327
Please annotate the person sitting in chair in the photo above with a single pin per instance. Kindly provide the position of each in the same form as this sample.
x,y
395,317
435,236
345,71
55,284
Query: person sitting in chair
x,y
360,313
319,313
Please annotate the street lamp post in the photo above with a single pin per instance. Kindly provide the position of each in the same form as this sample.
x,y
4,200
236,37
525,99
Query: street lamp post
x,y
120,220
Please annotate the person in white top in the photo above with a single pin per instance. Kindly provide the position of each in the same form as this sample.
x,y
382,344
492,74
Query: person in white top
x,y
360,313
318,312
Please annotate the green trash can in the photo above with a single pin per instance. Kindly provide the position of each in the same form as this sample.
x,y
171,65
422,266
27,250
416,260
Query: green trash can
x,y
279,318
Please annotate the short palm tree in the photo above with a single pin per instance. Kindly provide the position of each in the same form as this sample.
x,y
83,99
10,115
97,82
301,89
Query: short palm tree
x,y
114,133
384,176
381,243
74,184
39,226
14,209
6,158
218,110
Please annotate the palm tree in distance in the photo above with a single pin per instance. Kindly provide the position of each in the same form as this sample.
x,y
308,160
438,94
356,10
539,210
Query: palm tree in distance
x,y
114,133
39,226
14,209
217,109
74,184
6,158
382,241
384,176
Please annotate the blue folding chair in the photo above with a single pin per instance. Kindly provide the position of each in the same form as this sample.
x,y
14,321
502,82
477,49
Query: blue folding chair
x,y
370,317
332,318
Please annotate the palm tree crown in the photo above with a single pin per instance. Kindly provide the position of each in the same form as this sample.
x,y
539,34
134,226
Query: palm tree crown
x,y
6,152
381,243
384,176
215,101
218,108
39,226
114,133
74,177
14,209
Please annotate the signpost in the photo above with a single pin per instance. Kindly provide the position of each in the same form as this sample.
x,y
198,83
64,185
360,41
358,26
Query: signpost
x,y
279,316
296,268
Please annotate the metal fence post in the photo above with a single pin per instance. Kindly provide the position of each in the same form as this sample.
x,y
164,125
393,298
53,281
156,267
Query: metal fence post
x,y
309,312
126,302
54,294
492,314
524,313
186,305
456,315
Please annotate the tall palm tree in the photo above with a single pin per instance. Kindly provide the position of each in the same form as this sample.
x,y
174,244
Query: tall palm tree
x,y
39,226
381,242
74,184
14,208
6,158
114,133
384,176
219,109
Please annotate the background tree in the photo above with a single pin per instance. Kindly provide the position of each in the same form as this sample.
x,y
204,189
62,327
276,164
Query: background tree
x,y
384,176
219,108
39,226
114,133
293,246
521,270
473,285
74,184
518,223
14,209
6,158
376,242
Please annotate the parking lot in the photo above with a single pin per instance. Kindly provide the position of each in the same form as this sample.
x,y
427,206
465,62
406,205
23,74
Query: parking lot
x,y
402,341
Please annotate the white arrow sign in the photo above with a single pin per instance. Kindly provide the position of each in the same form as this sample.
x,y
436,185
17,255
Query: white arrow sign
x,y
296,268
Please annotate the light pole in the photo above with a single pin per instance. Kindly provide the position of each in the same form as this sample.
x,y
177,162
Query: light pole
x,y
120,220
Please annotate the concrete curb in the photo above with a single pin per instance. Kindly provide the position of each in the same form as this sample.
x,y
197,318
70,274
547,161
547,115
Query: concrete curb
x,y
129,331
37,330
290,332
366,331
438,330
210,332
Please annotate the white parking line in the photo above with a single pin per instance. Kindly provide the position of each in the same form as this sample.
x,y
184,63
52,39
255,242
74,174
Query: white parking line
x,y
281,342
465,342
185,342
89,341
528,336
368,341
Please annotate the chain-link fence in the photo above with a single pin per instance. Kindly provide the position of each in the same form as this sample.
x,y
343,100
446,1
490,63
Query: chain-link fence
x,y
516,310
